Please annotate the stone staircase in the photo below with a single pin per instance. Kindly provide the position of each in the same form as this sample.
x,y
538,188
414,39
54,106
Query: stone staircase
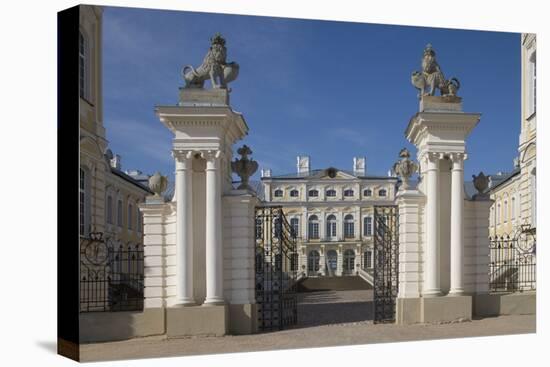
x,y
343,283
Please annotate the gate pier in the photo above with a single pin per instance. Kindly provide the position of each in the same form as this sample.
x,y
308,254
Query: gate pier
x,y
442,266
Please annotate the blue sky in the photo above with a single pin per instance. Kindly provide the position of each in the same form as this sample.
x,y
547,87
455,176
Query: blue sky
x,y
331,90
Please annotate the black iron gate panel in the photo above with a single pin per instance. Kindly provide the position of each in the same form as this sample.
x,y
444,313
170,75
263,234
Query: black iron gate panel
x,y
512,265
111,275
386,262
276,269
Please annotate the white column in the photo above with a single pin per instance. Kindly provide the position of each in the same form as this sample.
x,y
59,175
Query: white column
x,y
432,285
184,228
214,249
457,217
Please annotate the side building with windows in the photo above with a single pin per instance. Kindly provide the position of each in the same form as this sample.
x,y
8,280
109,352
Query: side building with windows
x,y
514,194
331,211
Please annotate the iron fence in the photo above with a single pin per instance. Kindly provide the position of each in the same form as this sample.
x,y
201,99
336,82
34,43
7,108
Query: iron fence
x,y
111,276
512,264
276,263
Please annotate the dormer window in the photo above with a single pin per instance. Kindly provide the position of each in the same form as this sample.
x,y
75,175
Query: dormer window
x,y
382,192
294,193
278,193
331,193
313,193
367,192
348,193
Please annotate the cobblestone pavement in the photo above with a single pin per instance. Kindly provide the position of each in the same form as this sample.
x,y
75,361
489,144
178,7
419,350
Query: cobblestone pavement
x,y
325,319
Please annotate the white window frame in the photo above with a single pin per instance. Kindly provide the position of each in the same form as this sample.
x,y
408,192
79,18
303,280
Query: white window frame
x,y
119,213
385,191
369,192
330,190
313,227
295,225
130,216
294,191
109,209
367,226
278,191
313,196
347,193
331,226
505,213
349,226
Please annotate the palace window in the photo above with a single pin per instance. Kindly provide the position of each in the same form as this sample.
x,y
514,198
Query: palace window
x,y
83,65
119,213
348,226
278,193
348,193
295,226
382,192
505,214
83,203
139,220
331,193
331,226
532,84
294,193
110,209
367,192
498,214
367,259
367,226
313,193
130,216
513,209
313,227
348,263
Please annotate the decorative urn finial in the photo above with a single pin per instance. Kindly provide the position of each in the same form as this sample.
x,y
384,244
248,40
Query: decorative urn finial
x,y
158,183
481,183
405,168
244,167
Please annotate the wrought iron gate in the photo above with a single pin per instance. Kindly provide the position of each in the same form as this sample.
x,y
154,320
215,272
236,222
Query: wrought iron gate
x,y
276,269
386,256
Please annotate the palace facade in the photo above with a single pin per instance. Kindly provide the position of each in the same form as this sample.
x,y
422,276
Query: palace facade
x,y
515,193
331,211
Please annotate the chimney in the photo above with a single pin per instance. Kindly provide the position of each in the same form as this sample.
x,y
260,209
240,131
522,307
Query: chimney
x,y
359,166
115,162
265,172
302,165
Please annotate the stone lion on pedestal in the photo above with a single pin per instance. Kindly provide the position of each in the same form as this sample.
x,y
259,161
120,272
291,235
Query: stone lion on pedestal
x,y
431,77
213,67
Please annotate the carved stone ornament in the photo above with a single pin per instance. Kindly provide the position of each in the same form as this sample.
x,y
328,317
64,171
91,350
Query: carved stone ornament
x,y
405,168
431,77
244,167
158,183
481,182
214,67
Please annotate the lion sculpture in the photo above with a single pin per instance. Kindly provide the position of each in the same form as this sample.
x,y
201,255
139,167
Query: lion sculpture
x,y
213,67
431,77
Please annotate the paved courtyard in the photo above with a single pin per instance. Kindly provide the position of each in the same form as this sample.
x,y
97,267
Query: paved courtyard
x,y
327,318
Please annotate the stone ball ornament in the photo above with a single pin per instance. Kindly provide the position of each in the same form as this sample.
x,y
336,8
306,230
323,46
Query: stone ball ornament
x,y
158,183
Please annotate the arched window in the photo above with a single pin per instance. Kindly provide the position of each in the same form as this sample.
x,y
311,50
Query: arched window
x,y
498,214
130,216
313,227
367,192
505,211
294,193
331,193
278,193
348,193
367,226
331,226
492,216
513,208
349,226
382,192
349,262
110,209
139,220
119,213
313,193
295,226
313,263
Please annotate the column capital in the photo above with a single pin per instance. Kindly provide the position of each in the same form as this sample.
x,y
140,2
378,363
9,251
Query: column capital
x,y
182,155
211,155
458,158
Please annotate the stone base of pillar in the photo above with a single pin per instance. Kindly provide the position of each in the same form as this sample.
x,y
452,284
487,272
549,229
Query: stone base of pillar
x,y
445,309
407,311
243,319
197,320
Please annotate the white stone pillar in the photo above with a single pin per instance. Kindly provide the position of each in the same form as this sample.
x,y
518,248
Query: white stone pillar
x,y
457,229
432,285
214,249
184,228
